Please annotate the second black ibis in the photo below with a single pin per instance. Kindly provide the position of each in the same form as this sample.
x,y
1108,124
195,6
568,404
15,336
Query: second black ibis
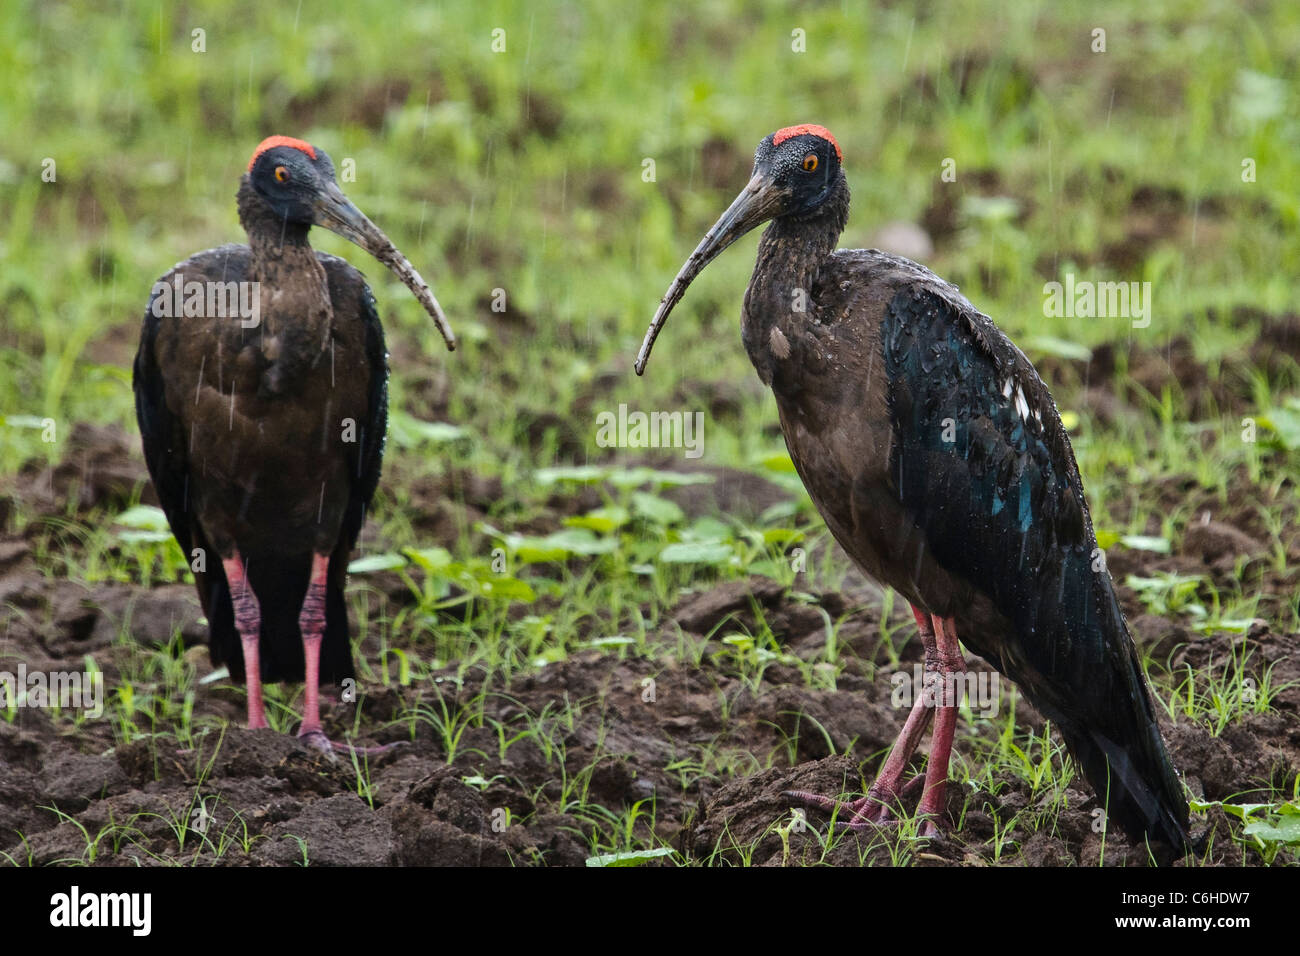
x,y
938,460
261,387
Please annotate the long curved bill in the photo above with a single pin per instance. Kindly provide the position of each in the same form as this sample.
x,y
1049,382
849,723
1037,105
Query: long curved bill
x,y
758,202
335,212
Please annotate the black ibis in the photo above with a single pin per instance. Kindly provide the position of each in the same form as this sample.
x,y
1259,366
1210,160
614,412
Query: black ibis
x,y
936,456
261,387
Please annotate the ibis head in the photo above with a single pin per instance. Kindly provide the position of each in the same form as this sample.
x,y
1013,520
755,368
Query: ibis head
x,y
296,182
796,170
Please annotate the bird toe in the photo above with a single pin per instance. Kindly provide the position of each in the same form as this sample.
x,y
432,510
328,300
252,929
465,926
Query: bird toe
x,y
317,741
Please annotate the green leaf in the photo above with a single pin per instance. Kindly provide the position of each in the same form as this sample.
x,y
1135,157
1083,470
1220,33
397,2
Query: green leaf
x,y
781,511
1258,97
990,209
143,537
431,559
535,550
1164,581
781,535
1281,829
601,520
388,561
1241,811
707,529
221,673
143,518
583,474
407,430
629,857
634,477
696,552
659,510
556,546
616,640
1107,539
1061,348
1285,424
22,421
440,432
581,541
768,568
1146,542
780,462
551,655
506,589
1233,625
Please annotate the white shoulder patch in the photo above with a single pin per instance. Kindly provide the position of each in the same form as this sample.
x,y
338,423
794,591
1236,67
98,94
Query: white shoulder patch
x,y
779,343
1022,406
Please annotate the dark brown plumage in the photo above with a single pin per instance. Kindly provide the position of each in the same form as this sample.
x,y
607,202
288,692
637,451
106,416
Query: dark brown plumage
x,y
264,430
936,456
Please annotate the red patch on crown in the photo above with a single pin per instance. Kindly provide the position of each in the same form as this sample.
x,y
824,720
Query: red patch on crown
x,y
790,132
273,141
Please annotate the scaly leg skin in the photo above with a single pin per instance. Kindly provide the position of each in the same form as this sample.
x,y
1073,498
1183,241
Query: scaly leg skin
x,y
885,795
930,809
311,622
248,622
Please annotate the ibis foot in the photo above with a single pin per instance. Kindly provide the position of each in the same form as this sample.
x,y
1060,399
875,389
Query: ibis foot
x,y
316,740
878,808
375,751
858,815
931,829
884,799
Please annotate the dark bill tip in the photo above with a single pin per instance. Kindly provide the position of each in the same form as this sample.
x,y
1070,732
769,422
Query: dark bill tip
x,y
335,212
758,202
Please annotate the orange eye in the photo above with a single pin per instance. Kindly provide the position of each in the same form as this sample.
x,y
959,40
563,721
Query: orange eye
x,y
810,162
282,174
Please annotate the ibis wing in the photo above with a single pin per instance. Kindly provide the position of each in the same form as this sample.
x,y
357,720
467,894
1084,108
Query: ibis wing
x,y
164,439
982,465
351,295
980,458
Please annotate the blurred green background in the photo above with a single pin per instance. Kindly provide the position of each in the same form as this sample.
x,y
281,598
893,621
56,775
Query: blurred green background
x,y
522,170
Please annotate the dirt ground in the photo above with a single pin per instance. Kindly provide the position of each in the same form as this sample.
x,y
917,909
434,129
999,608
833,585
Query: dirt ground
x,y
411,807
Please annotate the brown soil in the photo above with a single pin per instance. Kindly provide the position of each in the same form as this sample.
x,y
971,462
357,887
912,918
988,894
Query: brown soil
x,y
412,806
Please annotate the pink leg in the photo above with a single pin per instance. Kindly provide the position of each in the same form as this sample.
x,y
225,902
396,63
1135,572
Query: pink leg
x,y
248,622
887,790
311,622
945,726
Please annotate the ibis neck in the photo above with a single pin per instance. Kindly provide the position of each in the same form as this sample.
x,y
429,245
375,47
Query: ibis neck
x,y
779,302
297,315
